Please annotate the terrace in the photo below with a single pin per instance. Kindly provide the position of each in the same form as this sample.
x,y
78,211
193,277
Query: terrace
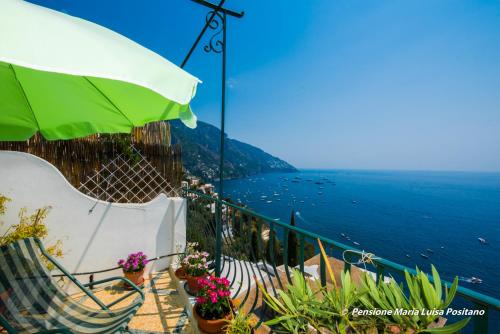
x,y
250,249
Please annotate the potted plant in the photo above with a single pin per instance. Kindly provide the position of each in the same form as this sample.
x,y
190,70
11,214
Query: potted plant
x,y
213,306
195,266
240,324
180,272
133,267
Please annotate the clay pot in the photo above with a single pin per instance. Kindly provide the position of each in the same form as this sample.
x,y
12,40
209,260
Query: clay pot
x,y
136,277
180,273
192,282
211,326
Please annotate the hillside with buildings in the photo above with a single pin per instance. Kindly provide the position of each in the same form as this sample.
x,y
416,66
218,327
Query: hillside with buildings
x,y
200,154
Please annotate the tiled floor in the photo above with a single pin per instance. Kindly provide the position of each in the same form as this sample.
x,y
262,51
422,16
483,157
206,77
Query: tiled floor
x,y
162,312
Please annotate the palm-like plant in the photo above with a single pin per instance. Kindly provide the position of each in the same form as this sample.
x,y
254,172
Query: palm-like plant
x,y
297,308
423,295
302,309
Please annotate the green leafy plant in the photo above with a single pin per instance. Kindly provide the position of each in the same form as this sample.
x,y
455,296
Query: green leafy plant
x,y
423,295
300,309
296,308
241,323
329,309
30,226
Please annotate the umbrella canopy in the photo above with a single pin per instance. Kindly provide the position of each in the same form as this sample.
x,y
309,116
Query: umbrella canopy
x,y
67,78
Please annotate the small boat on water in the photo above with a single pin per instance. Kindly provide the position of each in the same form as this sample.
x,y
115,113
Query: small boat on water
x,y
408,256
424,255
321,187
482,240
356,243
475,280
343,235
269,201
295,181
354,202
348,238
320,193
319,182
429,250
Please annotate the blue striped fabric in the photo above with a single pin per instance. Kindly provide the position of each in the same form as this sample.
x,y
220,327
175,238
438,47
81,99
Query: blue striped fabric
x,y
31,301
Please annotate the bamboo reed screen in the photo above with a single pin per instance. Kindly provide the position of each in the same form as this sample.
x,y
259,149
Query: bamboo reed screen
x,y
81,159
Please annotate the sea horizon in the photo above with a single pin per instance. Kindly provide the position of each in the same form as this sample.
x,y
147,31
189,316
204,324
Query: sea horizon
x,y
395,214
393,170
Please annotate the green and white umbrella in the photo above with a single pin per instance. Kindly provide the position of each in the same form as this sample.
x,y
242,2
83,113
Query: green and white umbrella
x,y
67,78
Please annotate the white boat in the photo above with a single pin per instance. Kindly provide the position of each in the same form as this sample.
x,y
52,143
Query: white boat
x,y
482,240
356,243
475,280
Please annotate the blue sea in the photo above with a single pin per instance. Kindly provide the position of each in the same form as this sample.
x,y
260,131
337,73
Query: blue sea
x,y
393,214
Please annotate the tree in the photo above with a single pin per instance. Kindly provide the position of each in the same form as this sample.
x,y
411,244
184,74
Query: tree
x,y
254,241
277,259
293,245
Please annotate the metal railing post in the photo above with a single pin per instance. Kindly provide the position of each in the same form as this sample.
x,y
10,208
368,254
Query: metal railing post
x,y
218,239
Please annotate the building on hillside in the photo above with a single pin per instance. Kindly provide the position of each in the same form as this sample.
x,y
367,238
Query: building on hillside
x,y
207,188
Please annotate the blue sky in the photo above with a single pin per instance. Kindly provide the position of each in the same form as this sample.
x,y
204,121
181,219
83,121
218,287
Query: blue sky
x,y
366,84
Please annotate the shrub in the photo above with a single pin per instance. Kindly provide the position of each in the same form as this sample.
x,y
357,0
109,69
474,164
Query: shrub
x,y
30,226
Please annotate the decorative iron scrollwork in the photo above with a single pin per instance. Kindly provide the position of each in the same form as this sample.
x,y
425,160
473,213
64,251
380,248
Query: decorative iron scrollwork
x,y
215,44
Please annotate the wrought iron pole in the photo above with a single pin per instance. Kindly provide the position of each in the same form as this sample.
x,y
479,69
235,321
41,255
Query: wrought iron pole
x,y
200,35
218,230
216,20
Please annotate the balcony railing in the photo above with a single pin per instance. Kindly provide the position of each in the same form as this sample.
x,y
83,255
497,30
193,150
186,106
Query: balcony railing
x,y
253,246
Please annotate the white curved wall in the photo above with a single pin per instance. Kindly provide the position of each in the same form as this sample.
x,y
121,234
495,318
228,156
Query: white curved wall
x,y
95,234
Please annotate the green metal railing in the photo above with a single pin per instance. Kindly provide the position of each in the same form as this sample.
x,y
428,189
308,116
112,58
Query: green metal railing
x,y
256,246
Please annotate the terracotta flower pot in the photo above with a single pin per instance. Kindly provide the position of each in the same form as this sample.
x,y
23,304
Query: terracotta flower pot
x,y
211,326
192,282
136,277
180,273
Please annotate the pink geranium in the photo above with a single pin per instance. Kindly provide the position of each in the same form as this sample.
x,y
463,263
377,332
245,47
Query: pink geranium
x,y
213,300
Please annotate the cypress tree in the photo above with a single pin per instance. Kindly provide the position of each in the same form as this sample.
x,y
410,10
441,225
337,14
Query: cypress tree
x,y
293,245
254,241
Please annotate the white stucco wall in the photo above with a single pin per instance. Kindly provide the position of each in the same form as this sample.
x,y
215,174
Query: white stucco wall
x,y
95,234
